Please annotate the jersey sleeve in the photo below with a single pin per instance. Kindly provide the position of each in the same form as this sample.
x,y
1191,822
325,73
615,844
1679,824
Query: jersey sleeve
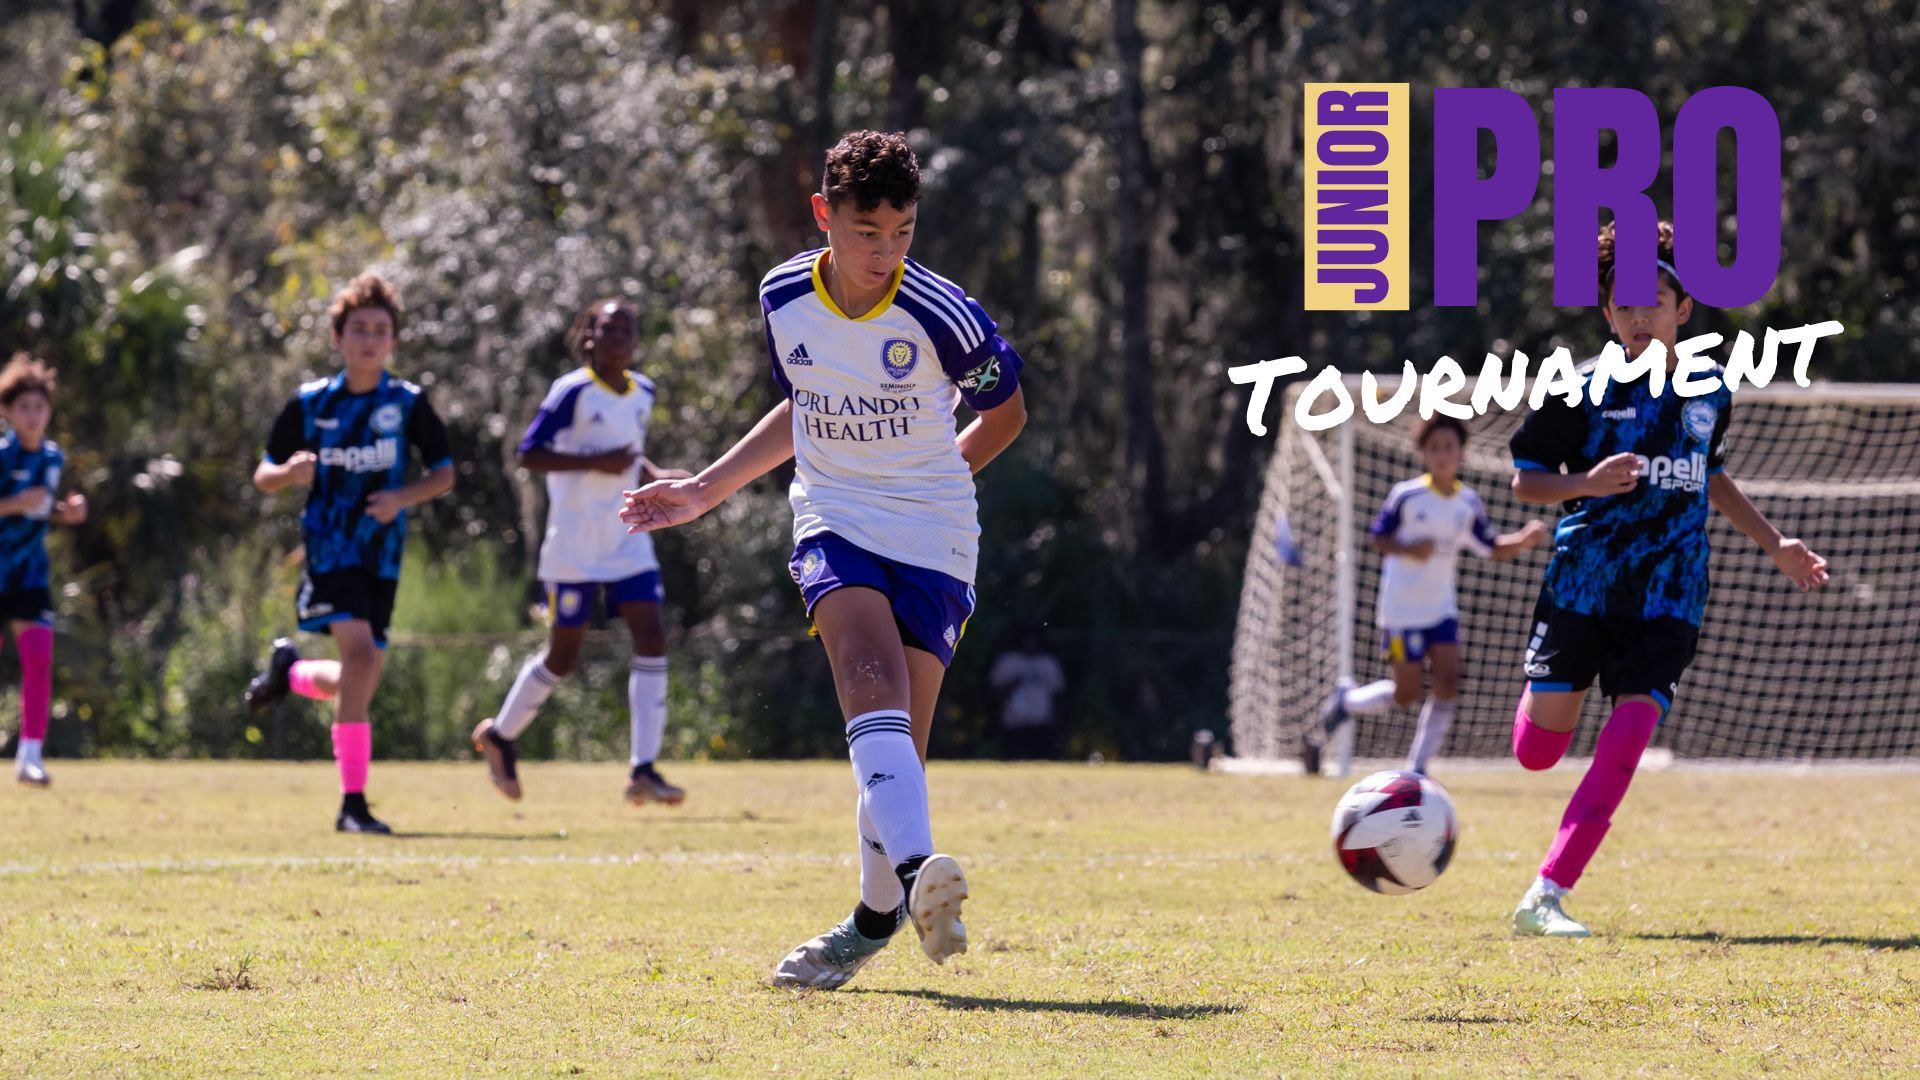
x,y
288,435
1717,445
555,416
428,434
1480,538
1387,521
773,351
988,373
1549,437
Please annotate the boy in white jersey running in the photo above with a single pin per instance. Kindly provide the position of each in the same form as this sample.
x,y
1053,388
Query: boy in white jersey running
x,y
1419,534
873,353
590,439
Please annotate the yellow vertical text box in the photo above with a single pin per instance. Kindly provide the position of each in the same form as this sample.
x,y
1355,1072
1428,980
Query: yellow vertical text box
x,y
1357,150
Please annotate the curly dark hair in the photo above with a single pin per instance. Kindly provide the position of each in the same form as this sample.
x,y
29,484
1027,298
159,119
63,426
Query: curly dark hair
x,y
369,290
1438,422
582,328
1663,249
870,166
25,375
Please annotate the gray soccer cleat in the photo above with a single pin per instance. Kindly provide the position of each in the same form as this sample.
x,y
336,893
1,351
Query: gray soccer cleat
x,y
32,774
828,961
1540,915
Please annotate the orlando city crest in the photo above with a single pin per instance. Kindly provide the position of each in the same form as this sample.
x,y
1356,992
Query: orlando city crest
x,y
898,356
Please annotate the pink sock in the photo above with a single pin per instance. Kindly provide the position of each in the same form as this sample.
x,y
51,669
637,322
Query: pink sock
x,y
36,680
353,750
1615,756
300,678
1535,746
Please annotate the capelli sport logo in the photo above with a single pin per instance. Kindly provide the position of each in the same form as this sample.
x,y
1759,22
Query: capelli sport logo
x,y
1359,147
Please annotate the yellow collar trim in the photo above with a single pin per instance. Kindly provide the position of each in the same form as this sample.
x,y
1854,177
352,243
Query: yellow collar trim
x,y
1454,490
886,301
595,376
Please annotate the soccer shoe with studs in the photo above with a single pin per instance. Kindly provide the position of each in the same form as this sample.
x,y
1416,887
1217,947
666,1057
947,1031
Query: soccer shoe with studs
x,y
32,774
827,962
1540,915
271,685
502,759
939,888
649,786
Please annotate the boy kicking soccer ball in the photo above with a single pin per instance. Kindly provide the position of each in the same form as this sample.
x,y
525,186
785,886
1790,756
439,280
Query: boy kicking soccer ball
x,y
1627,585
589,438
30,467
1419,534
346,438
873,353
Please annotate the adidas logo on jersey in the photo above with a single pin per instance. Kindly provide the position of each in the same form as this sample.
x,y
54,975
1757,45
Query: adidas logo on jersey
x,y
1676,474
799,358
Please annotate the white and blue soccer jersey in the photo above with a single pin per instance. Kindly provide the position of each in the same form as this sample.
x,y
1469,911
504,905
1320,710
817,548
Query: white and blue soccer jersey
x,y
586,540
363,443
1642,554
876,460
1419,593
23,537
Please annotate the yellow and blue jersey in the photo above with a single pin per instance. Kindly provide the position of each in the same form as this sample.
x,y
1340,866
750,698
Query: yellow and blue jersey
x,y
23,537
362,442
1642,554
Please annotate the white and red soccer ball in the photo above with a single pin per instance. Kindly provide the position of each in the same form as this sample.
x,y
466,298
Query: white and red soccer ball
x,y
1394,832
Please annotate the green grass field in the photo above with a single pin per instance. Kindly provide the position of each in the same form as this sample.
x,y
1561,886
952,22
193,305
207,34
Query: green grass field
x,y
204,919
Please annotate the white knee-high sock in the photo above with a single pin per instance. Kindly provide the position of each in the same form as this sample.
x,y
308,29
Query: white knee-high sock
x,y
1375,697
647,707
892,783
1431,734
879,887
531,689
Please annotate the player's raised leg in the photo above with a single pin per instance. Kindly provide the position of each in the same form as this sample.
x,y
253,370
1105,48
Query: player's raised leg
x,y
647,698
544,671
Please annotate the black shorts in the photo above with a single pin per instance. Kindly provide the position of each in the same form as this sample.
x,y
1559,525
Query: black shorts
x,y
28,605
1631,656
327,598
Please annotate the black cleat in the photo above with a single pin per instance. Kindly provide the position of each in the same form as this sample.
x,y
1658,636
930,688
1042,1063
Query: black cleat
x,y
271,685
355,817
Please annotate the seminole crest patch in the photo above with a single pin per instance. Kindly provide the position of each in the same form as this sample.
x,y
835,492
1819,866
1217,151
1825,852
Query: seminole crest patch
x,y
1698,417
898,355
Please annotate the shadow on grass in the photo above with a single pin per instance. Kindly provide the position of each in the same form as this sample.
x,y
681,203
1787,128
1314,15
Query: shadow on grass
x,y
1451,1018
1710,937
1125,1010
510,836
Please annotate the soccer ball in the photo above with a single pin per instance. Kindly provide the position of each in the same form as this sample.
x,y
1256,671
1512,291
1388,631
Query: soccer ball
x,y
1394,832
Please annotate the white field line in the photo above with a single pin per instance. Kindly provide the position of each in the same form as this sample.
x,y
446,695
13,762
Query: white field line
x,y
1657,759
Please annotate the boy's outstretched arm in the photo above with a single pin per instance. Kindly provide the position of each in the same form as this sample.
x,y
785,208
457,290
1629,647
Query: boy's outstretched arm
x,y
1793,557
667,503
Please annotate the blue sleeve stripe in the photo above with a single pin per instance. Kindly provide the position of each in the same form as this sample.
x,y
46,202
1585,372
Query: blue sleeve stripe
x,y
1665,701
1531,466
1716,470
780,296
441,464
552,422
1550,687
964,330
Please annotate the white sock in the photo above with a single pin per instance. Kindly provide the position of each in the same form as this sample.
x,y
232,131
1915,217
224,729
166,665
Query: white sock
x,y
647,707
892,783
879,887
1543,886
1435,716
29,751
1375,697
531,689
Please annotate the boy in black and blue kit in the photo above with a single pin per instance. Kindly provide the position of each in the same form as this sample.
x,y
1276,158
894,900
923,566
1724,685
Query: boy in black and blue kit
x,y
348,438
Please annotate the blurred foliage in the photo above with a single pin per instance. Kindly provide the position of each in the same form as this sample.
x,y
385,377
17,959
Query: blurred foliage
x,y
184,182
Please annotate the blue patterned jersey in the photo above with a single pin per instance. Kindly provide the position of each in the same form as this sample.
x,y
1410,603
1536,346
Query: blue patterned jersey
x,y
1642,554
362,442
23,537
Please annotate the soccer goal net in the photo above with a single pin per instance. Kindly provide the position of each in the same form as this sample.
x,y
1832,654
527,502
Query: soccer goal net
x,y
1779,674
